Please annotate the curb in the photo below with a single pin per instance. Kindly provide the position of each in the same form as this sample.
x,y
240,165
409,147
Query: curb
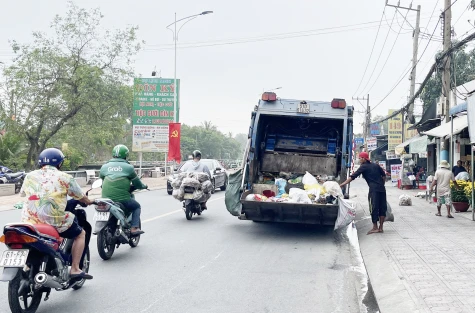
x,y
388,285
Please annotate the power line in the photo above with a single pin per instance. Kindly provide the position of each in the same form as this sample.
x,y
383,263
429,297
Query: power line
x,y
387,58
380,53
371,54
435,28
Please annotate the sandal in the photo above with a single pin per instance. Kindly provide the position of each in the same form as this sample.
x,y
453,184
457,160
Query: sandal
x,y
450,216
438,214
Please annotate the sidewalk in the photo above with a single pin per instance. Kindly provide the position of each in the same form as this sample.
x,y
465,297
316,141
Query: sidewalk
x,y
7,202
422,262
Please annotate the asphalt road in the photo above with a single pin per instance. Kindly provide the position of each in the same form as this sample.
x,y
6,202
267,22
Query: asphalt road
x,y
217,263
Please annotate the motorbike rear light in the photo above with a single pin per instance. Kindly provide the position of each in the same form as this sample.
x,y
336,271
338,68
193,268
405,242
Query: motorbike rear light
x,y
103,207
338,103
269,96
12,237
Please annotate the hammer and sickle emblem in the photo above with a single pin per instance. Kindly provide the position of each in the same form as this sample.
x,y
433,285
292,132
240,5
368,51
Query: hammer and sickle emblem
x,y
174,134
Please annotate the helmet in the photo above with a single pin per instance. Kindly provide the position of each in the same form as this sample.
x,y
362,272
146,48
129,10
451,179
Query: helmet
x,y
51,156
120,151
196,154
364,155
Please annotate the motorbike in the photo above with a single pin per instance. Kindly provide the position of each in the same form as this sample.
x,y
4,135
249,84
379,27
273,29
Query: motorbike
x,y
7,176
38,260
190,206
112,225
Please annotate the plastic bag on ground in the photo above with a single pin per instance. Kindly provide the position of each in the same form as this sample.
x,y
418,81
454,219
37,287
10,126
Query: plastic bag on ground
x,y
389,214
346,213
309,179
232,197
405,200
281,183
200,176
299,196
333,188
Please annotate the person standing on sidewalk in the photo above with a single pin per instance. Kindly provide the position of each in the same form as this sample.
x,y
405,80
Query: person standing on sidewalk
x,y
375,178
442,179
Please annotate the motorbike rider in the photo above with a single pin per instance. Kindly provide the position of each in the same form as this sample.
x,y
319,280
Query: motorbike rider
x,y
46,190
197,166
117,175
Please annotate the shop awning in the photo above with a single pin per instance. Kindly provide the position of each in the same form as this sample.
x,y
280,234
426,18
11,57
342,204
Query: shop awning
x,y
460,123
419,145
399,149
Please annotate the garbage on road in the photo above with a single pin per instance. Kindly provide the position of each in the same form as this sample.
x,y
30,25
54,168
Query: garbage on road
x,y
405,200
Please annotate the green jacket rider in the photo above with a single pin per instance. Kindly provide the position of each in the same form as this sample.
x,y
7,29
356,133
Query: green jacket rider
x,y
117,175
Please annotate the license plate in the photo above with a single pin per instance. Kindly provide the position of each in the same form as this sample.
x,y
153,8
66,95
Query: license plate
x,y
101,216
303,108
14,258
188,196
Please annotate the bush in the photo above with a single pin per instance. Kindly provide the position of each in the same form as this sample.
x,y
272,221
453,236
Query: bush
x,y
458,194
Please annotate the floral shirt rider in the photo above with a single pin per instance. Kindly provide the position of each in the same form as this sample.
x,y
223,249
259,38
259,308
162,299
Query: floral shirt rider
x,y
46,190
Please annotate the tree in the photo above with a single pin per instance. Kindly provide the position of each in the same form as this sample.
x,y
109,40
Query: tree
x,y
55,79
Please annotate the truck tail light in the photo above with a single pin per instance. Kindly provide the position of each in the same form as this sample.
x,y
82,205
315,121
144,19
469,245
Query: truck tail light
x,y
338,103
269,96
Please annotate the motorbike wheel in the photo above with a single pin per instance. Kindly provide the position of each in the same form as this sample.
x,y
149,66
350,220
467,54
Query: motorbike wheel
x,y
24,302
134,241
85,267
105,251
223,187
188,212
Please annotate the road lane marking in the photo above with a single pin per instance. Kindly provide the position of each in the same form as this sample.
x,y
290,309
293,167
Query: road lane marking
x,y
173,212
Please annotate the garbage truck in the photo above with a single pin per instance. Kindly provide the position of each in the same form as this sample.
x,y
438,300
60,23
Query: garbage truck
x,y
289,138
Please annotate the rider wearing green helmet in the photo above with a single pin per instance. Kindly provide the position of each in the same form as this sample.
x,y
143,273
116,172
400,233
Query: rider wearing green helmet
x,y
117,175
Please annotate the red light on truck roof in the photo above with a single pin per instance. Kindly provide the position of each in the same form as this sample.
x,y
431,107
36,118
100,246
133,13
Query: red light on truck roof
x,y
338,103
269,96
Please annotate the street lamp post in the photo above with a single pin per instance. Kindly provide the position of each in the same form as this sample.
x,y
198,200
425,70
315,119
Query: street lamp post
x,y
175,38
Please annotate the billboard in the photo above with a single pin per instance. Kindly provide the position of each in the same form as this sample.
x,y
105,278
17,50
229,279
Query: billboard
x,y
372,144
152,111
395,130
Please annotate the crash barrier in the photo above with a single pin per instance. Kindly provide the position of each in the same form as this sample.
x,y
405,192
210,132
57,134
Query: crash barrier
x,y
87,177
7,189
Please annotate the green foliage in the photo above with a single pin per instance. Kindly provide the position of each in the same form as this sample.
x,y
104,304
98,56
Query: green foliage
x,y
76,78
13,151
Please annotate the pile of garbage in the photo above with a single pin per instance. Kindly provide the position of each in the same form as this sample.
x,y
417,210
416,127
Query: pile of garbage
x,y
299,189
199,181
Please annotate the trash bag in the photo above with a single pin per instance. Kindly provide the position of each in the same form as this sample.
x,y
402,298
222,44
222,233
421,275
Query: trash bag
x,y
333,188
389,214
200,176
296,180
463,176
232,197
299,196
346,213
405,200
281,183
176,183
315,189
179,193
207,186
297,185
309,179
191,182
200,197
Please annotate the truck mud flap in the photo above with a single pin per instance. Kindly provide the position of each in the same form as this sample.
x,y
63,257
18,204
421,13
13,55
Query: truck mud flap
x,y
290,212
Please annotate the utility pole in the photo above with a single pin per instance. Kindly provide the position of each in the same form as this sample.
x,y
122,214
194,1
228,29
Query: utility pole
x,y
367,122
415,45
447,16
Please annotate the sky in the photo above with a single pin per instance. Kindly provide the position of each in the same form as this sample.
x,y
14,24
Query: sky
x,y
313,50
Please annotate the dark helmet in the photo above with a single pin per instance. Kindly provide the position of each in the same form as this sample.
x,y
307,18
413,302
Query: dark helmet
x,y
51,156
196,154
120,151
